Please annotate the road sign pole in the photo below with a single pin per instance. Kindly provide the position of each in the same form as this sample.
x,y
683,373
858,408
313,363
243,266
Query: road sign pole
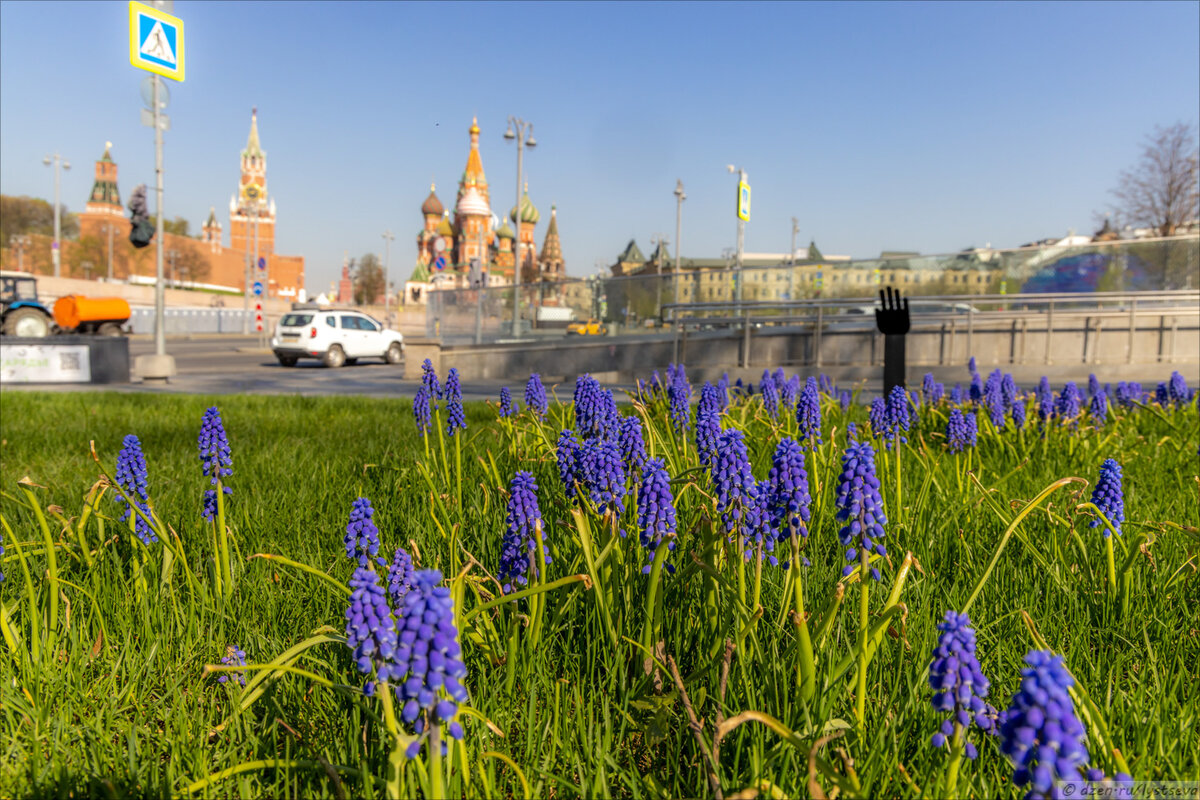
x,y
160,334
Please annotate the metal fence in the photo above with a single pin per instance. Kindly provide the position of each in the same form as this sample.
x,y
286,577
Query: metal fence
x,y
639,303
191,320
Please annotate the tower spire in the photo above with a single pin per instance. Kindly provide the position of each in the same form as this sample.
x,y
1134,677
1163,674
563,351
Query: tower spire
x,y
253,148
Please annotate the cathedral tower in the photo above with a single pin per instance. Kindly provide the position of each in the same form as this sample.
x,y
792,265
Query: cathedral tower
x,y
251,200
211,232
526,253
105,199
551,260
473,214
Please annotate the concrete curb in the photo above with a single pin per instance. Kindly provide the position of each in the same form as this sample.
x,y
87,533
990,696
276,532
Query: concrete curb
x,y
256,351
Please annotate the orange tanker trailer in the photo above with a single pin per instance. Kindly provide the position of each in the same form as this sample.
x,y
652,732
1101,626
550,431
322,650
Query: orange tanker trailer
x,y
102,315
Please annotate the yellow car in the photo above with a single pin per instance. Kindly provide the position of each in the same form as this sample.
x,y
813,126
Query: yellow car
x,y
593,327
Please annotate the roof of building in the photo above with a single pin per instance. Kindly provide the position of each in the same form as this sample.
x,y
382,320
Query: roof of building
x,y
212,221
471,203
529,212
505,232
432,205
107,152
632,254
473,174
661,254
253,148
103,190
444,227
551,247
420,274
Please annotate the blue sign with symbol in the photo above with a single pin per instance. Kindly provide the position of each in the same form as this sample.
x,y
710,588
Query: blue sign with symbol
x,y
258,288
440,263
262,262
155,41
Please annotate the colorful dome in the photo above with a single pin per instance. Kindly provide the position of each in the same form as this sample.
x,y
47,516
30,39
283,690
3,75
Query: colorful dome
x,y
472,204
505,232
529,212
432,205
444,228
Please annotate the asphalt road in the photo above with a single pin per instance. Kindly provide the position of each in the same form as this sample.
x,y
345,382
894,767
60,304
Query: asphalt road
x,y
236,365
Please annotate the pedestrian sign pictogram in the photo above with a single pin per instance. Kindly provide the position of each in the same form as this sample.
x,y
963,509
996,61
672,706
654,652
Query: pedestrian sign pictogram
x,y
155,41
743,208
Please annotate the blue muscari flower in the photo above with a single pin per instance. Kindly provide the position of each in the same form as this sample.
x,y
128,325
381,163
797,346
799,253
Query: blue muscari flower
x,y
370,630
1018,414
993,401
992,385
956,395
939,391
1040,733
632,444
1162,395
860,506
679,394
878,418
1008,390
961,430
506,403
976,389
898,416
455,418
1098,408
733,481
971,366
602,473
595,410
535,395
959,685
215,457
429,380
362,537
568,458
131,476
780,378
1127,393
789,391
520,537
1093,384
656,510
845,399
1069,402
234,656
708,422
787,497
927,388
723,390
1177,389
1109,496
423,410
770,395
429,659
825,384
400,576
808,413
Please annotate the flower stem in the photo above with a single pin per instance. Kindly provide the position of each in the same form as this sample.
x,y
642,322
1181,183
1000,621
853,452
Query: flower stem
x,y
808,672
956,753
223,539
653,614
1112,567
860,698
435,760
396,754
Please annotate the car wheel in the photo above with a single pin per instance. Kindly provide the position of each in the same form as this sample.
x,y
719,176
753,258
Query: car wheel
x,y
287,361
109,329
335,356
394,353
27,322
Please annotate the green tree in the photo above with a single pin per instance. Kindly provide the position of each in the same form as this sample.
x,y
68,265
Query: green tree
x,y
32,215
368,283
178,226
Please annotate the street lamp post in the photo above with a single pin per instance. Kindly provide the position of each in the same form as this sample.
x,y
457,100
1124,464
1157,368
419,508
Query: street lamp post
x,y
56,248
524,138
19,243
679,198
741,239
109,230
388,237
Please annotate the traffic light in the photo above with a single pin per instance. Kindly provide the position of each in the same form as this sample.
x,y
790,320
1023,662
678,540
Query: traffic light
x,y
141,228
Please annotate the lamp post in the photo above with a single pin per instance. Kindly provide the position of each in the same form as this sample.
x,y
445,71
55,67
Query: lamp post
x,y
741,238
56,248
680,196
19,243
108,228
388,237
524,138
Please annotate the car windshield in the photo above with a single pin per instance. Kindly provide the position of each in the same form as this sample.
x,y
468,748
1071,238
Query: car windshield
x,y
295,320
366,324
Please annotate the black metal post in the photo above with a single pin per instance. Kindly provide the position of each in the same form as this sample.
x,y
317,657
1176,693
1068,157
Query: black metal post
x,y
892,320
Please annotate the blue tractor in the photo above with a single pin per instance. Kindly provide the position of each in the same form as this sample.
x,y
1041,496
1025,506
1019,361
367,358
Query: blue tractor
x,y
21,313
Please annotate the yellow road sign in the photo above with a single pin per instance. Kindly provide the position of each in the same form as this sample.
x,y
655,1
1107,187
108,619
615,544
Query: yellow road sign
x,y
743,208
155,41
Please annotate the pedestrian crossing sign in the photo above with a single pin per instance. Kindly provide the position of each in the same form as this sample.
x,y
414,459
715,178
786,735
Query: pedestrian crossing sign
x,y
155,41
743,209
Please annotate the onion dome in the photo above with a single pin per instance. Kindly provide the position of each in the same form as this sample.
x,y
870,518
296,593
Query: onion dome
x,y
444,228
529,213
432,206
505,232
472,204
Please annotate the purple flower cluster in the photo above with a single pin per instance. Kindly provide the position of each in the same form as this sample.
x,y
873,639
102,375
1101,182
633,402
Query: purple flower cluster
x,y
602,473
860,506
400,575
1162,395
1177,389
429,380
506,403
708,422
825,384
215,456
423,406
1109,496
976,389
679,395
845,398
962,431
723,391
632,444
1093,384
370,630
1045,401
1126,394
993,401
737,493
1098,408
362,537
131,476
808,413
956,395
568,457
1018,414
931,390
1041,734
234,657
770,395
455,418
789,391
596,412
429,657
1069,402
878,418
520,538
1008,390
535,395
656,510
899,419
959,685
786,497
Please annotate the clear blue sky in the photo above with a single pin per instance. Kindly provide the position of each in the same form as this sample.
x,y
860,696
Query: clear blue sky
x,y
929,127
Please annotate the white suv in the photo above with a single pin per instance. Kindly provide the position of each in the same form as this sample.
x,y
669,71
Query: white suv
x,y
335,336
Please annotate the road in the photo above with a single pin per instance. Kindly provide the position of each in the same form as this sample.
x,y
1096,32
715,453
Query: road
x,y
236,365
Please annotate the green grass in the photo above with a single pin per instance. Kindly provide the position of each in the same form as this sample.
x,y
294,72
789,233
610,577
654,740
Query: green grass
x,y
118,703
